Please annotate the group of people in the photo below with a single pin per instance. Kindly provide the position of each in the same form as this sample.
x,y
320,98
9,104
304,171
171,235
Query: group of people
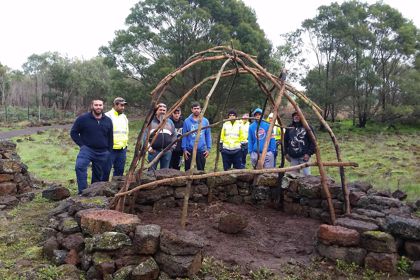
x,y
238,138
103,137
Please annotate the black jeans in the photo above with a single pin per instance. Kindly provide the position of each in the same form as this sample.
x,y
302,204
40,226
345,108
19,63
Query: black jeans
x,y
176,160
200,161
231,158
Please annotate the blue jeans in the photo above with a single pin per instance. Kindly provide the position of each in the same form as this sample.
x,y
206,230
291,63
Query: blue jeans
x,y
164,160
117,159
296,161
87,155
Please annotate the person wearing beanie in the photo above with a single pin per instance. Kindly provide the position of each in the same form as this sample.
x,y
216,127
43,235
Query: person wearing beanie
x,y
298,145
230,142
257,134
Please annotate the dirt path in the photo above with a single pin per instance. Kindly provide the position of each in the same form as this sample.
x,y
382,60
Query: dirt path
x,y
271,239
31,130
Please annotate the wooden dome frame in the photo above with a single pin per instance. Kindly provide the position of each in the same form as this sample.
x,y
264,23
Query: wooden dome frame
x,y
243,64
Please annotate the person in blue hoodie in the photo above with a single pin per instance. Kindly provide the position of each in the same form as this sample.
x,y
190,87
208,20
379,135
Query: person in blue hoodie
x,y
204,142
255,146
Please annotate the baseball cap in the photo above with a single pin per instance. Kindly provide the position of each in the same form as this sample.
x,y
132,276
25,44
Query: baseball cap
x,y
258,110
270,115
120,100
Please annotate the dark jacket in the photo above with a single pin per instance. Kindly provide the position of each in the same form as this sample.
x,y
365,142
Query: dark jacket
x,y
166,135
297,142
178,130
93,133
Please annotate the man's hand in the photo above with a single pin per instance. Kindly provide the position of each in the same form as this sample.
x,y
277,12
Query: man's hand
x,y
151,151
206,154
306,157
186,155
288,158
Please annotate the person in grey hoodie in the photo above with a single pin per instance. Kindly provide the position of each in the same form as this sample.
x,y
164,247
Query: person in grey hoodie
x,y
165,136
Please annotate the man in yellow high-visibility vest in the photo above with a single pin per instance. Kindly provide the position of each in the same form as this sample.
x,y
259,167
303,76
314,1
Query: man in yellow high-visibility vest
x,y
118,154
244,144
230,142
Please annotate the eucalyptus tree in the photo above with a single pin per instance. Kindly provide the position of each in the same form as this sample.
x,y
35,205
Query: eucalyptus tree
x,y
162,34
368,45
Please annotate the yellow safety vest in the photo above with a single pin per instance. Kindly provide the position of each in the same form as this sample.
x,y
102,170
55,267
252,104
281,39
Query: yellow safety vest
x,y
245,128
276,134
231,135
120,125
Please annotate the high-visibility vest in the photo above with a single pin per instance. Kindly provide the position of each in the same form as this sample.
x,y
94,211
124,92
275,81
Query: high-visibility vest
x,y
120,124
276,134
245,128
231,135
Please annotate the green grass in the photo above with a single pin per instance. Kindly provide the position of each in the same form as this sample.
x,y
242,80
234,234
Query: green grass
x,y
20,237
387,158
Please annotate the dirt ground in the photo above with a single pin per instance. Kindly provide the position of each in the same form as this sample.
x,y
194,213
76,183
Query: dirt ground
x,y
271,239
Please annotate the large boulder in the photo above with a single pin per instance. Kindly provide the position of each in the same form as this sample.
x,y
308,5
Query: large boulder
x,y
180,243
146,239
167,173
223,180
101,220
378,241
56,193
179,266
267,180
232,223
153,195
406,228
382,262
73,241
107,241
358,225
146,270
8,188
337,235
412,248
108,189
348,254
10,166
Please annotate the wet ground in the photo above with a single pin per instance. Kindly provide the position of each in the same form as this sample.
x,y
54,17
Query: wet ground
x,y
271,239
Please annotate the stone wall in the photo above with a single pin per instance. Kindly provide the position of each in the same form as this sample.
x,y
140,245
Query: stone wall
x,y
108,244
15,182
378,231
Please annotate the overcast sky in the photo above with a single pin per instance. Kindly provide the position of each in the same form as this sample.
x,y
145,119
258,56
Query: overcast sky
x,y
77,28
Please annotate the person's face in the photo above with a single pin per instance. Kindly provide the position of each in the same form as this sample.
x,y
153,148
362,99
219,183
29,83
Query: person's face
x,y
97,107
119,107
257,116
231,116
196,111
296,118
176,115
245,117
270,120
161,111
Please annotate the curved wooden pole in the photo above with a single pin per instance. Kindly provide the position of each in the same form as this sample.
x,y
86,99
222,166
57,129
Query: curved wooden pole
x,y
233,171
197,138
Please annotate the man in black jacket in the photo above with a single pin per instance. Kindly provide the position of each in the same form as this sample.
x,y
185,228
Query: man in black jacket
x,y
297,144
177,152
93,133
